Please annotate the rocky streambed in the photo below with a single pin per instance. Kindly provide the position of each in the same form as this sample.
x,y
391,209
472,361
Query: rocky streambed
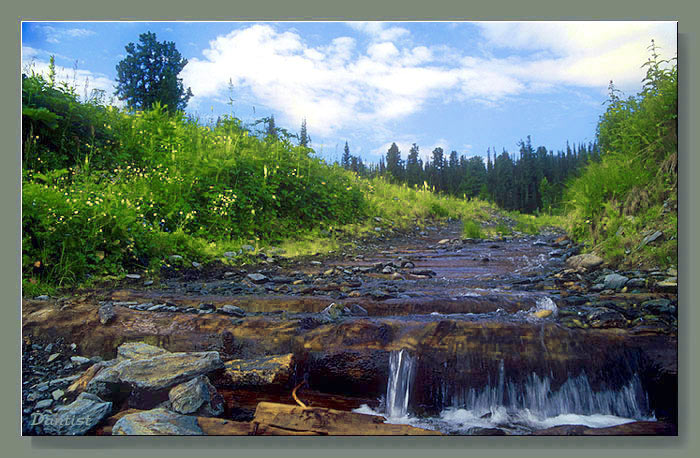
x,y
516,335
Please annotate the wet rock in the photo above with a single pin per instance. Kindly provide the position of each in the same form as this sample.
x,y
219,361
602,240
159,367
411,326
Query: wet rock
x,y
333,311
669,285
157,422
268,370
486,432
164,371
106,313
328,421
605,318
207,307
636,428
198,396
659,307
575,300
636,283
614,281
232,310
585,261
257,278
78,417
358,310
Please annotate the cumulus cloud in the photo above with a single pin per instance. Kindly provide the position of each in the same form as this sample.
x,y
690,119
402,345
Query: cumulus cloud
x,y
340,85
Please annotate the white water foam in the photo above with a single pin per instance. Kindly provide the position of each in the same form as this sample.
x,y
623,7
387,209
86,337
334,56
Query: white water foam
x,y
516,408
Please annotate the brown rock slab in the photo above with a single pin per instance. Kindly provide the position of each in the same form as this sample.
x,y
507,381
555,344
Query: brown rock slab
x,y
268,370
329,421
636,428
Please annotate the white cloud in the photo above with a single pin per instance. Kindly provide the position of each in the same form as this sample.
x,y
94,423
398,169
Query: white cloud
x,y
579,53
342,85
378,30
56,34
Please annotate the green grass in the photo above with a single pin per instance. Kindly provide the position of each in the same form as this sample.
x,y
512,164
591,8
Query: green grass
x,y
472,229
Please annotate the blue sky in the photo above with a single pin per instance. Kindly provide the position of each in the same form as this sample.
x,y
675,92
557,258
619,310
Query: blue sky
x,y
463,86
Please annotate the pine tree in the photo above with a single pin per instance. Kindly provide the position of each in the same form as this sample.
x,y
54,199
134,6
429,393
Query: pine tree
x,y
345,161
304,139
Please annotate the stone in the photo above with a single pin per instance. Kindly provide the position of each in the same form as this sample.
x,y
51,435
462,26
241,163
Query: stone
x,y
148,283
57,394
669,285
45,404
163,371
659,307
248,248
257,278
78,417
43,297
605,318
80,360
196,265
157,422
139,350
358,310
175,258
229,254
264,371
206,307
196,396
651,238
444,242
133,276
106,314
333,311
232,310
584,261
53,357
614,281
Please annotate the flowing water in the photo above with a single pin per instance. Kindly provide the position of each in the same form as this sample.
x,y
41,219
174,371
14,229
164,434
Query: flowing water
x,y
513,407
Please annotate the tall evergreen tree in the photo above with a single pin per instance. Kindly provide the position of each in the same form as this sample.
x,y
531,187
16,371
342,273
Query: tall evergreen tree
x,y
345,161
303,135
149,74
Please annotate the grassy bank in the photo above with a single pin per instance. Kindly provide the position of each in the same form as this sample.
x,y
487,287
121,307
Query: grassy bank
x,y
107,192
618,203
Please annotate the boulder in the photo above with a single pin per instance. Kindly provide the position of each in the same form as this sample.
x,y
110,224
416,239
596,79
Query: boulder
x,y
78,417
106,314
232,310
614,281
605,318
585,261
196,396
157,422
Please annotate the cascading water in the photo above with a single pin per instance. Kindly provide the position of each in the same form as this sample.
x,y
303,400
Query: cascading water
x,y
401,373
515,407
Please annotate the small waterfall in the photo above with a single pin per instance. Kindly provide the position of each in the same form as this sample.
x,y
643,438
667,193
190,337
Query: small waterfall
x,y
401,372
536,396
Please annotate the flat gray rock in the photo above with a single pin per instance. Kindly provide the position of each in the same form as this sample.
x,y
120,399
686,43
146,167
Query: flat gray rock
x,y
78,417
157,422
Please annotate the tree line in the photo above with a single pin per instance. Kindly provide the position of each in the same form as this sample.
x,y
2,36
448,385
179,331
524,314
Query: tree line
x,y
531,180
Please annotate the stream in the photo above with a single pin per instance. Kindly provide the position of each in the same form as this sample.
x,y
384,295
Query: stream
x,y
426,328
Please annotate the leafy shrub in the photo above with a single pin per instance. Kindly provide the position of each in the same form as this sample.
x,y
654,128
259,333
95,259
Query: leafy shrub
x,y
471,229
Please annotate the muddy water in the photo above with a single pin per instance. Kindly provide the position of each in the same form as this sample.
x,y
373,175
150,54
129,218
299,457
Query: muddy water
x,y
477,319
